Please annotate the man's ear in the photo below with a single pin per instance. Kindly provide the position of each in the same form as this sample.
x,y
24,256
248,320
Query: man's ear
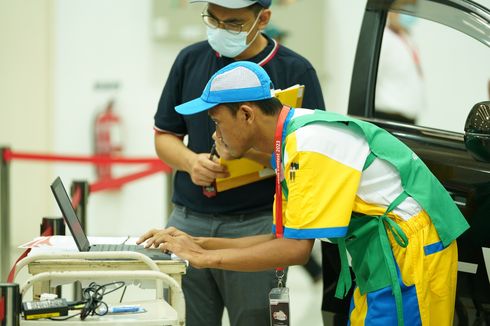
x,y
264,19
246,113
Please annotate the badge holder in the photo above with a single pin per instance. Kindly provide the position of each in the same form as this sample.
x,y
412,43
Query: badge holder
x,y
209,191
279,302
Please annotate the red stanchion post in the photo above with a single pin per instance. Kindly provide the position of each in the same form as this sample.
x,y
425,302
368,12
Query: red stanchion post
x,y
79,191
53,226
4,213
10,301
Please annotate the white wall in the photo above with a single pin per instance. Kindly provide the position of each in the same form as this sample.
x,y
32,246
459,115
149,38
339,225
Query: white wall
x,y
99,42
25,110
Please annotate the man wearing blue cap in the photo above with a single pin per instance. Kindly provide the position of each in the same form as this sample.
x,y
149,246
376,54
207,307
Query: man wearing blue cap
x,y
338,178
234,33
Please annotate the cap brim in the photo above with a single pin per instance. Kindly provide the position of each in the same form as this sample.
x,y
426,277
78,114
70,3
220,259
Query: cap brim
x,y
235,4
194,106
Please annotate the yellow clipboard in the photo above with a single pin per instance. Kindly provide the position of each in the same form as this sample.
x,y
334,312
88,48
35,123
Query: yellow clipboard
x,y
291,96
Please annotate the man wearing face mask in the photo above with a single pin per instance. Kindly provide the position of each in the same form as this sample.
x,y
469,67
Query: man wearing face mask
x,y
234,30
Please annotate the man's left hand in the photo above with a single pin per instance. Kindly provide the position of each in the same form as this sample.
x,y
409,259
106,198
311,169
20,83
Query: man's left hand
x,y
177,242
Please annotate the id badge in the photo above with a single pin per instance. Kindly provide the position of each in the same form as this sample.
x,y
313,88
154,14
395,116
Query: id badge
x,y
279,306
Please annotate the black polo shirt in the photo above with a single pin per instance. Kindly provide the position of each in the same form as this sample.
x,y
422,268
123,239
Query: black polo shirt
x,y
190,72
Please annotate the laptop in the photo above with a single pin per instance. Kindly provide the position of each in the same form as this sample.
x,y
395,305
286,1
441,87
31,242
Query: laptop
x,y
79,236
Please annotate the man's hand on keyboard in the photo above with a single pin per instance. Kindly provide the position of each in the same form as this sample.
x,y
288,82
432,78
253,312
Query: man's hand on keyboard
x,y
155,237
188,248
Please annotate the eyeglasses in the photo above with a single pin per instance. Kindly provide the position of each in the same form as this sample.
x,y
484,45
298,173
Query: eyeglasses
x,y
212,22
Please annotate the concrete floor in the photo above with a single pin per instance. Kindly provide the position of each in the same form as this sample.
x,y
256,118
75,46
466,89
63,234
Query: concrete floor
x,y
305,297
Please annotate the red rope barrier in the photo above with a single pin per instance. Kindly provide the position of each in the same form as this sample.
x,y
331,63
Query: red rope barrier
x,y
8,156
116,183
10,277
155,165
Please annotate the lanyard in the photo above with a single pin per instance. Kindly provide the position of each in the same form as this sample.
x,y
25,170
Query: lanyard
x,y
277,153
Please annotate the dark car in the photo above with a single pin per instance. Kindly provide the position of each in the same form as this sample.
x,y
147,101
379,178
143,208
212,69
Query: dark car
x,y
449,128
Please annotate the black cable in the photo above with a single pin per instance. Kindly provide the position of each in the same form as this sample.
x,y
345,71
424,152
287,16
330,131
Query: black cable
x,y
93,296
122,295
92,300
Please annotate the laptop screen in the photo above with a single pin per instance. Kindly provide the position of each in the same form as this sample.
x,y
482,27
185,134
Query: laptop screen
x,y
69,214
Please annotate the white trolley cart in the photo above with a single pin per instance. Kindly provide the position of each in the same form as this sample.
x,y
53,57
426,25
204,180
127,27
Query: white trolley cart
x,y
157,311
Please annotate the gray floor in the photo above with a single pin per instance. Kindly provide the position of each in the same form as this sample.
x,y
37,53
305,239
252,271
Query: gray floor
x,y
305,297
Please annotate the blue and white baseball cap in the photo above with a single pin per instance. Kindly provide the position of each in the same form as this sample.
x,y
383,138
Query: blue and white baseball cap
x,y
236,4
241,81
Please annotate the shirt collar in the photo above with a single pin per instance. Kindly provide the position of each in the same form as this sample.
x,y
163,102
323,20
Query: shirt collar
x,y
261,58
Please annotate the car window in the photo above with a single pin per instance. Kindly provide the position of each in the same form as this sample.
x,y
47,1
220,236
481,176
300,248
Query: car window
x,y
429,74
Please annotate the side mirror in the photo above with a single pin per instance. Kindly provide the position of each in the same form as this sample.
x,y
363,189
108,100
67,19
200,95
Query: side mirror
x,y
477,131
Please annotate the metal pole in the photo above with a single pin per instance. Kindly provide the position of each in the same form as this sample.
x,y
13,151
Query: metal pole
x,y
81,211
4,215
53,226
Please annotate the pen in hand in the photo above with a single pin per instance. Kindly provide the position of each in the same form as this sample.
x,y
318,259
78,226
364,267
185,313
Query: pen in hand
x,y
210,191
213,152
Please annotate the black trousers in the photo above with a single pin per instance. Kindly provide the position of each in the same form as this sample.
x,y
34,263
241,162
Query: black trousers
x,y
331,272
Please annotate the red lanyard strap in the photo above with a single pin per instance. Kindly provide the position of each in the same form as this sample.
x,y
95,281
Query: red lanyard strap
x,y
277,152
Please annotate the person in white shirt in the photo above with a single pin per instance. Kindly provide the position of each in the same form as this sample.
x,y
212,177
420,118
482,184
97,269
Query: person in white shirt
x,y
400,93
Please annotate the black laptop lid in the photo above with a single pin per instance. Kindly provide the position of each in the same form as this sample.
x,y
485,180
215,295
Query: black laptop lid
x,y
69,214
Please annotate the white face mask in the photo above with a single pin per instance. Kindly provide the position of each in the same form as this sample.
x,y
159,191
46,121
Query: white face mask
x,y
227,44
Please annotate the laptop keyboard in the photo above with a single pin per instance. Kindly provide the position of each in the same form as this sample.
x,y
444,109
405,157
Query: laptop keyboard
x,y
116,247
153,253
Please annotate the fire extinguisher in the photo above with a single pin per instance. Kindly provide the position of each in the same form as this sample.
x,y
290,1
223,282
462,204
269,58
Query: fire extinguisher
x,y
108,142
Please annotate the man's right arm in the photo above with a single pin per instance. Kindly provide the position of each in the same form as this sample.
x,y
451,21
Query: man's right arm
x,y
202,169
173,152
